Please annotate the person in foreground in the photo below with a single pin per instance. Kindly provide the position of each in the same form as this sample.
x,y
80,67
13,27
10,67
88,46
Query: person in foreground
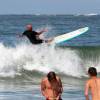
x,y
51,87
93,84
33,36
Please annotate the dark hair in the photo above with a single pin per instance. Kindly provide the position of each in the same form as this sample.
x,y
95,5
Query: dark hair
x,y
92,71
51,76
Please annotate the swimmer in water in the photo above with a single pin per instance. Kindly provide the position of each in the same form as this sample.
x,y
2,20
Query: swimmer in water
x,y
93,84
51,87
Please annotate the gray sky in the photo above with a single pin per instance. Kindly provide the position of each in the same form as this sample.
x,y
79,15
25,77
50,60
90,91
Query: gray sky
x,y
49,6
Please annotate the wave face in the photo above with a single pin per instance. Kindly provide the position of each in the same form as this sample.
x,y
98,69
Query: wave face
x,y
39,58
44,58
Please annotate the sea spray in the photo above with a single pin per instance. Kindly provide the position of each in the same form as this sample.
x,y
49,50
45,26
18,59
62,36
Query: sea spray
x,y
42,58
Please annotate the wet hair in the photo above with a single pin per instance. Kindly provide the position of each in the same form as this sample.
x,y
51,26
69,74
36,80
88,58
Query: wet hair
x,y
55,85
92,71
51,76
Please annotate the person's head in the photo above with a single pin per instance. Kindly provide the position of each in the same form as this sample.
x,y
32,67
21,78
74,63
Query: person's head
x,y
29,27
51,76
92,71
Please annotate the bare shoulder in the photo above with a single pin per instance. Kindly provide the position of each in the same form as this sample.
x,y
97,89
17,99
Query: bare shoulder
x,y
44,79
98,79
88,82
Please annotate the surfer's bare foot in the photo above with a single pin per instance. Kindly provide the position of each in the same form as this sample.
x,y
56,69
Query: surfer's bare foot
x,y
49,41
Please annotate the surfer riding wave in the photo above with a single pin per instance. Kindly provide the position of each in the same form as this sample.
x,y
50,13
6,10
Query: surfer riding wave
x,y
33,36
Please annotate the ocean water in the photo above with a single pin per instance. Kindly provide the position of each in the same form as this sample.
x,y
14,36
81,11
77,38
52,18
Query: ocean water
x,y
23,65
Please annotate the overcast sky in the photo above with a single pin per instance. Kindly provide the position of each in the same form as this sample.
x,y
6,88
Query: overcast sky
x,y
49,6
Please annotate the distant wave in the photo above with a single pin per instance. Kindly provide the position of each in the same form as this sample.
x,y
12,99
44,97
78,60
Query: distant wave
x,y
91,14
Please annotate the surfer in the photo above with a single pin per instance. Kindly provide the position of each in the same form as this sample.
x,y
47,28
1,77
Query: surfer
x,y
33,36
51,87
93,84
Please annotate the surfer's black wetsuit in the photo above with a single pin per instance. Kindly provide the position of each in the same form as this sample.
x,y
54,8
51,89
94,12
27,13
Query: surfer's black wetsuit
x,y
31,35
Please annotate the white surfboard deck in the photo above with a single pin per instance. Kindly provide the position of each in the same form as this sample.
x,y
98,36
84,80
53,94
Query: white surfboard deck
x,y
70,35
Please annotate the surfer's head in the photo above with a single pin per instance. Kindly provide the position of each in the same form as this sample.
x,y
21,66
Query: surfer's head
x,y
29,27
92,71
51,76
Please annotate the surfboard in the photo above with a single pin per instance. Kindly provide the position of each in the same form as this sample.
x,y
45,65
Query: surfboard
x,y
70,35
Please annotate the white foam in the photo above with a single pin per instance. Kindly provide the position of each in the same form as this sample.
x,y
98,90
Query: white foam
x,y
42,58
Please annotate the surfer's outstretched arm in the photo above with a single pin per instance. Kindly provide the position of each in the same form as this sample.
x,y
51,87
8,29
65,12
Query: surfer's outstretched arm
x,y
44,30
20,35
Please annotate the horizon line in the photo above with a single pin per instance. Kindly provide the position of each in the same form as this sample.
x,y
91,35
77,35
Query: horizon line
x,y
51,14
